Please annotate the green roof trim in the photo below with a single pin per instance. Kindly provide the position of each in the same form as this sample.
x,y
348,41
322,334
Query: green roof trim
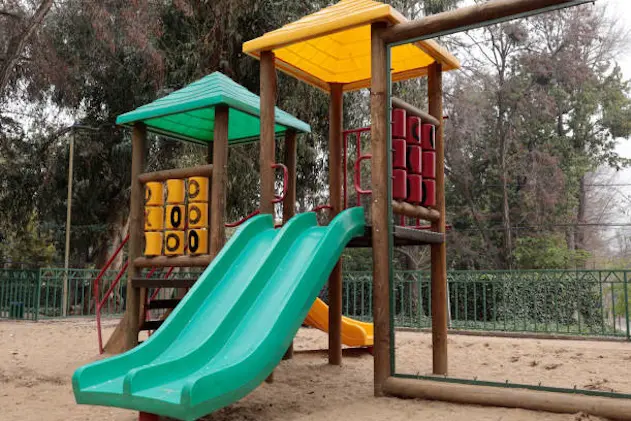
x,y
189,113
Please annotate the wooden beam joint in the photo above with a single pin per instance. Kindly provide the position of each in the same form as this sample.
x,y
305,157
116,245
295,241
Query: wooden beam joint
x,y
177,173
175,261
414,211
411,109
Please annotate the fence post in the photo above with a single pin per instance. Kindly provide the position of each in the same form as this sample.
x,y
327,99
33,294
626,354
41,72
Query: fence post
x,y
38,293
626,305
448,304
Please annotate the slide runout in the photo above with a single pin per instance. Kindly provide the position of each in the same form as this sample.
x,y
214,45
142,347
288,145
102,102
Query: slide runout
x,y
267,324
119,365
354,332
180,362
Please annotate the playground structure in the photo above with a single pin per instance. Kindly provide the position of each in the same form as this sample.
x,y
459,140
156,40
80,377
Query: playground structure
x,y
374,45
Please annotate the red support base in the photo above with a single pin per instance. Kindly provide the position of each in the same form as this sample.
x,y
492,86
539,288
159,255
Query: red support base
x,y
145,416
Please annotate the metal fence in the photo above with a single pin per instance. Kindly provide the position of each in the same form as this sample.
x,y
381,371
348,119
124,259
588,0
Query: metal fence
x,y
32,294
19,294
586,302
80,292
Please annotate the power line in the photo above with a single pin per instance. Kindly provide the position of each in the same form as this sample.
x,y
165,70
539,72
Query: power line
x,y
543,226
526,185
608,185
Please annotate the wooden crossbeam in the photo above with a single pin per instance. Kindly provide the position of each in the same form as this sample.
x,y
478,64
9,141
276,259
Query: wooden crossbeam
x,y
179,173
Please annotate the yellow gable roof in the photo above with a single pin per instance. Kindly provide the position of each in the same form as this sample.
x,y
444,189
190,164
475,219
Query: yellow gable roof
x,y
333,46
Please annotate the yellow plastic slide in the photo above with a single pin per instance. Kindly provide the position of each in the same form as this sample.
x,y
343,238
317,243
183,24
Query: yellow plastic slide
x,y
354,333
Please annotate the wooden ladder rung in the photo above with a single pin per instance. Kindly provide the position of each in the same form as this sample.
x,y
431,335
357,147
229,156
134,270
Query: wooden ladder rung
x,y
167,303
162,283
402,236
151,325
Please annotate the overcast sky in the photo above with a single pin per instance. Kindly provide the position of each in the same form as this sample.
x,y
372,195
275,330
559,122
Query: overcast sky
x,y
622,9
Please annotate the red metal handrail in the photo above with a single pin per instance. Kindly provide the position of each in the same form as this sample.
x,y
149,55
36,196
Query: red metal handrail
x,y
345,172
280,198
157,290
321,207
154,295
277,199
106,266
358,147
109,292
242,220
358,187
100,304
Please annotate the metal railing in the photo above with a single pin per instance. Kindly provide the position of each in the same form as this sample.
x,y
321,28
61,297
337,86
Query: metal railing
x,y
81,292
37,293
587,303
33,294
19,294
564,302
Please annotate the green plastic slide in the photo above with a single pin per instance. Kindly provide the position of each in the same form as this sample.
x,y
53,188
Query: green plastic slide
x,y
232,328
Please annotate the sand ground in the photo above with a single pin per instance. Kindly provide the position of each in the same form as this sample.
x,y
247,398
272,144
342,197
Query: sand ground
x,y
37,361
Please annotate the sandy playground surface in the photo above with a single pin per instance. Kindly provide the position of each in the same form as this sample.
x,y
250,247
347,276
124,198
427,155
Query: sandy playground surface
x,y
37,361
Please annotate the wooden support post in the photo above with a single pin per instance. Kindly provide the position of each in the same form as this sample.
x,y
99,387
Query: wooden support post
x,y
336,116
438,251
136,227
267,158
380,204
268,134
218,191
209,161
535,400
289,204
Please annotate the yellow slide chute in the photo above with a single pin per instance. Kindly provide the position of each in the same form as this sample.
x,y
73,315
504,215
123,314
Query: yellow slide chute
x,y
354,333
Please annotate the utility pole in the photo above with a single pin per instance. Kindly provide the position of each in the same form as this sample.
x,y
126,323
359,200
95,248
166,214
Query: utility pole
x,y
73,130
64,300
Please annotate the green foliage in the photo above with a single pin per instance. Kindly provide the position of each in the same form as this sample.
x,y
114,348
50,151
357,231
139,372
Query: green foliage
x,y
560,301
28,245
621,295
548,252
538,106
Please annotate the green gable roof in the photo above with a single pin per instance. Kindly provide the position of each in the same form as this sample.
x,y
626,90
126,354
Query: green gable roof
x,y
189,113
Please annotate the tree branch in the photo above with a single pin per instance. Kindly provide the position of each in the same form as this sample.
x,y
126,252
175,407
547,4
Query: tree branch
x,y
18,43
10,14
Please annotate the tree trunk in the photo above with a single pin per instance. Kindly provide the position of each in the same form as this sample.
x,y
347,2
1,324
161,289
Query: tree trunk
x,y
506,220
581,216
413,285
503,139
